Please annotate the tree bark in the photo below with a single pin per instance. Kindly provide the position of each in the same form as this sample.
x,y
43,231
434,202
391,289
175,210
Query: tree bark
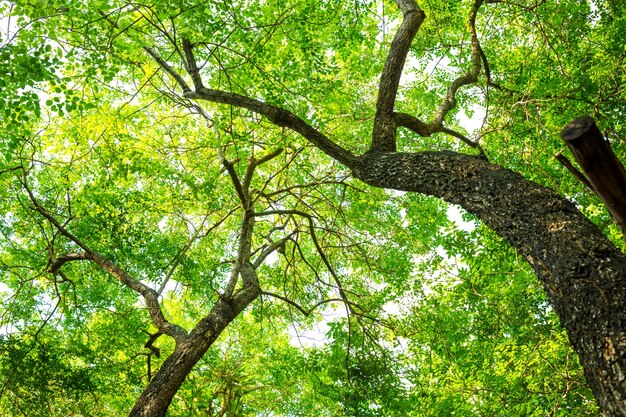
x,y
583,273
157,396
604,170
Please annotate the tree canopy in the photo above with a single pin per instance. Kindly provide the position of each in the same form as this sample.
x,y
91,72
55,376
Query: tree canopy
x,y
308,208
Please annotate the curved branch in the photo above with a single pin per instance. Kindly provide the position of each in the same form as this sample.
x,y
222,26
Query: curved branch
x,y
56,263
271,248
253,163
583,273
450,101
280,117
149,295
423,129
277,115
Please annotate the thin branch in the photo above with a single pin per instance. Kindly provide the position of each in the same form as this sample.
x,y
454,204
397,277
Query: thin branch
x,y
308,185
179,256
195,236
41,210
317,245
450,101
15,168
163,64
463,139
298,307
271,248
572,169
149,295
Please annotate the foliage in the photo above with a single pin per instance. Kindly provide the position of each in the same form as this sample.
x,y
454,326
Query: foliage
x,y
429,314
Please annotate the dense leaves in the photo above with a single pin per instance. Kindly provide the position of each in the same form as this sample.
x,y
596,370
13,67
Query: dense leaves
x,y
416,307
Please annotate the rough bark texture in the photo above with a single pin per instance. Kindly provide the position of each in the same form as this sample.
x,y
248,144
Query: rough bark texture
x,y
604,171
384,132
157,396
583,273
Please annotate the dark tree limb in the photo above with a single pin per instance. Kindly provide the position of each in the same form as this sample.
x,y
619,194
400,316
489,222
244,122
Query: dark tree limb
x,y
423,129
277,115
57,262
604,171
583,273
572,169
280,117
192,66
384,132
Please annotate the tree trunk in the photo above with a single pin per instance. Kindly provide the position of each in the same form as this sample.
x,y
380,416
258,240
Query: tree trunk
x,y
583,273
157,396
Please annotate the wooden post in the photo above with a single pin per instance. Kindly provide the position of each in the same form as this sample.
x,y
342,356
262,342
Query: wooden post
x,y
604,171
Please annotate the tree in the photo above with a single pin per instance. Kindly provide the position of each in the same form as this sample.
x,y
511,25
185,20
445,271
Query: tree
x,y
150,107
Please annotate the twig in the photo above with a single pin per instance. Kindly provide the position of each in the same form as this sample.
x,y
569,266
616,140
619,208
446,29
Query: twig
x,y
572,169
298,307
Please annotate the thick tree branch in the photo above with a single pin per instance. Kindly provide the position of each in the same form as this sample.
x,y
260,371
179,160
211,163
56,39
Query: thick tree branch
x,y
280,117
604,170
384,132
57,262
583,273
155,399
247,223
243,252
